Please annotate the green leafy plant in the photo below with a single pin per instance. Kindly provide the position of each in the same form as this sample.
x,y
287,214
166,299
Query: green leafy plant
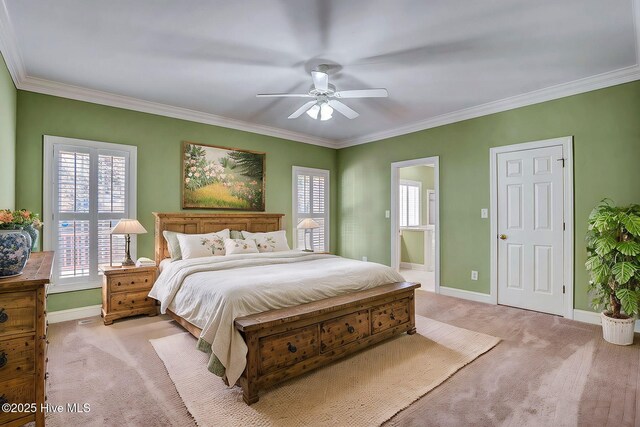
x,y
16,220
613,247
249,164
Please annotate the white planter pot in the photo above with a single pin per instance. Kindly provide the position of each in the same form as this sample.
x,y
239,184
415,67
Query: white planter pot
x,y
617,331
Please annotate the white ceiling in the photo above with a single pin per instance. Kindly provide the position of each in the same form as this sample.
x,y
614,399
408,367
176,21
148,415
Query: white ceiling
x,y
435,57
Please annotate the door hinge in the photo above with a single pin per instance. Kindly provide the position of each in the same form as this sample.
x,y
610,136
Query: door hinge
x,y
564,226
561,160
564,289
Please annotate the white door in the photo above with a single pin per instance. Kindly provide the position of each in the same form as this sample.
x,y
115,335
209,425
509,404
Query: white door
x,y
530,229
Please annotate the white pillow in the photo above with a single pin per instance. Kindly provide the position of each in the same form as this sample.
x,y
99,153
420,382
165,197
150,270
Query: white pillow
x,y
240,246
201,245
274,241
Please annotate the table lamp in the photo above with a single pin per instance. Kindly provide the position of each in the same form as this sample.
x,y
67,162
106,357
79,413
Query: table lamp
x,y
128,227
307,225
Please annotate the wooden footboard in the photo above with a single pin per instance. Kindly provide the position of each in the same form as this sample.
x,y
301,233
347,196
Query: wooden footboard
x,y
288,342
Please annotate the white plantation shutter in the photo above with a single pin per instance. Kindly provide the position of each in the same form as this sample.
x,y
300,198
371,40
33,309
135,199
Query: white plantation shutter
x,y
410,202
88,189
311,200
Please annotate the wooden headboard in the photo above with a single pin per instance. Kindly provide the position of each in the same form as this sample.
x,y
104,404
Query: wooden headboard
x,y
198,223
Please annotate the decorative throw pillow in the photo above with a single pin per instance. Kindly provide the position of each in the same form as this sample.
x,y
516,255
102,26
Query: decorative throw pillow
x,y
274,241
235,234
201,245
240,246
172,243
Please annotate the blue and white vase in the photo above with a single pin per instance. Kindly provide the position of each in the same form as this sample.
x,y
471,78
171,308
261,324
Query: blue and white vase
x,y
34,233
15,247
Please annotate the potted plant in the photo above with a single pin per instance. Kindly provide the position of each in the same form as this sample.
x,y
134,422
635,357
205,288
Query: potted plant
x,y
613,246
16,228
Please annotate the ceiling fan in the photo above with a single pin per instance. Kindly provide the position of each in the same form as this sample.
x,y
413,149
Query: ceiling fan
x,y
325,94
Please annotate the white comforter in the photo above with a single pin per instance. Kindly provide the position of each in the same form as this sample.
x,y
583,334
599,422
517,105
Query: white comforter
x,y
212,292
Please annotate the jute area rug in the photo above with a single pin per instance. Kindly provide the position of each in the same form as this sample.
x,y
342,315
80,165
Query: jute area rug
x,y
365,389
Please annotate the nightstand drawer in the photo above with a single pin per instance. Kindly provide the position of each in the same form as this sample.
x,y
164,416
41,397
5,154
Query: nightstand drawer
x,y
17,357
17,313
131,282
131,300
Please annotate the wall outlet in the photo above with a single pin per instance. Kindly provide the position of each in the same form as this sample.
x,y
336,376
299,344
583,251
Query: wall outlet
x,y
364,258
387,214
474,275
484,213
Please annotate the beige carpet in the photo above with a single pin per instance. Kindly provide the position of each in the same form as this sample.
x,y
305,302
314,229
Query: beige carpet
x,y
363,390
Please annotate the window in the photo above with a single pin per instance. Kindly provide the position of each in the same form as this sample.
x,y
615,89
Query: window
x,y
311,200
410,203
89,186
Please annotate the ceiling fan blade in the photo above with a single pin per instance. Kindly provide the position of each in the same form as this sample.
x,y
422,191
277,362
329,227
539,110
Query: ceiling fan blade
x,y
320,80
340,107
362,93
281,95
302,109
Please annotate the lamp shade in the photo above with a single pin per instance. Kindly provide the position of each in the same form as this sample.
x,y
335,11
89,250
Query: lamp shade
x,y
308,223
128,226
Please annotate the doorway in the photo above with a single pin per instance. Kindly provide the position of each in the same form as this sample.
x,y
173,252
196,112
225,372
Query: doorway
x,y
532,226
415,228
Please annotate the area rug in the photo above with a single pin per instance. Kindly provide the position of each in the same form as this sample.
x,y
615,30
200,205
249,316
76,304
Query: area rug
x,y
365,389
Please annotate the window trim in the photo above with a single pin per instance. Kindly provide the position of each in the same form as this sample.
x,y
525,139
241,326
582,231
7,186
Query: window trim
x,y
413,183
294,204
48,234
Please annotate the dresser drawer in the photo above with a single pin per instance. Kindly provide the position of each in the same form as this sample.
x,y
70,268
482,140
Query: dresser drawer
x,y
17,357
131,282
343,330
131,300
17,313
19,390
390,315
285,349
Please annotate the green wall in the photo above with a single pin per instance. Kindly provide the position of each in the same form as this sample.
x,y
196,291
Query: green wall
x,y
606,129
412,246
8,96
159,142
605,125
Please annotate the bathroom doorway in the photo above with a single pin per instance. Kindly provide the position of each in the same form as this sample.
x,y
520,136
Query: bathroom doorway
x,y
415,245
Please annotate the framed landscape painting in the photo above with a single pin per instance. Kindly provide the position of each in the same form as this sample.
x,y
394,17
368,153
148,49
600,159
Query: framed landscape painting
x,y
222,178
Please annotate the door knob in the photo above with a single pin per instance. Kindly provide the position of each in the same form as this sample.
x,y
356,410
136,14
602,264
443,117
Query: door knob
x,y
503,237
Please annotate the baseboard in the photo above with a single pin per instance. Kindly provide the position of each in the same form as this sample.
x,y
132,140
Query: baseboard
x,y
412,266
593,317
73,313
470,295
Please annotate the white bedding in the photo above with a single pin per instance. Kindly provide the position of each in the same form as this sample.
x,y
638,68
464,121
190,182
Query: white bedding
x,y
212,292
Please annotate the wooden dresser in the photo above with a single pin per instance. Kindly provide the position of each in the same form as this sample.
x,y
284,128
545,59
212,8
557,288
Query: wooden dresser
x,y
23,340
125,292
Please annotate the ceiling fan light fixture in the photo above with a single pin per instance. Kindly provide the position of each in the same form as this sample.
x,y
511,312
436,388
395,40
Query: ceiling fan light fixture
x,y
325,111
313,112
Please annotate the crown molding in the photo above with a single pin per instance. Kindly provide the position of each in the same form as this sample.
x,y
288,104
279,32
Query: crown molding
x,y
15,64
9,47
63,90
612,78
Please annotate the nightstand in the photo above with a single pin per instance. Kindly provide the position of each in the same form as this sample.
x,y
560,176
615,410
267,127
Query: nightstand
x,y
125,292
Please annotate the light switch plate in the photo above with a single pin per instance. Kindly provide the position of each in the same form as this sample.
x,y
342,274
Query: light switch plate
x,y
474,275
387,214
484,213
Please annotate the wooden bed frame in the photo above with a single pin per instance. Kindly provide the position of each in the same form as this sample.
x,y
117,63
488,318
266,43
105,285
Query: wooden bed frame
x,y
288,342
